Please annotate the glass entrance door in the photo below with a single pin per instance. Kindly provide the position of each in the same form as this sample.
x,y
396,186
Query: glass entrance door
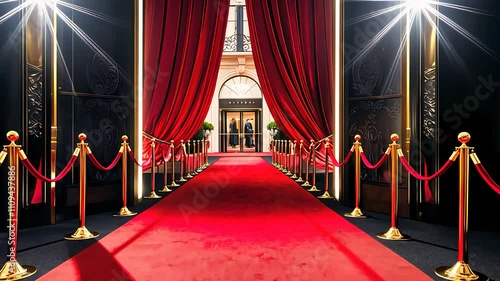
x,y
240,134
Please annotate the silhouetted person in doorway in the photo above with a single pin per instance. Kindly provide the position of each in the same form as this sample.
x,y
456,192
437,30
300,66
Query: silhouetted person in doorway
x,y
233,133
248,134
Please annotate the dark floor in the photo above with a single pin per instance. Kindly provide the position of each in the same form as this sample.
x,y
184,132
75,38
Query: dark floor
x,y
431,245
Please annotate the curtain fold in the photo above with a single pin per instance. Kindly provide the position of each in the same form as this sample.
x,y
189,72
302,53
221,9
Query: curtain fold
x,y
292,43
183,47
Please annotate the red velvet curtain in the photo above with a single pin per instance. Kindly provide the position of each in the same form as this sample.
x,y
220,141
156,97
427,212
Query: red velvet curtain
x,y
292,43
184,40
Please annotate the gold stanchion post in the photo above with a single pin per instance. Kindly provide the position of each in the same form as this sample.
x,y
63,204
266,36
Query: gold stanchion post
x,y
199,168
461,270
188,160
153,194
82,232
273,161
183,152
206,154
124,211
285,157
294,162
280,155
326,195
356,213
165,180
195,161
12,270
313,159
172,147
307,163
288,158
393,233
301,146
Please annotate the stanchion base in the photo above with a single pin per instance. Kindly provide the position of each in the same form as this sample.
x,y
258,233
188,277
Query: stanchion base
x,y
460,271
288,173
199,170
326,195
299,180
174,184
313,189
12,270
165,189
152,196
393,234
124,212
294,176
305,184
182,179
189,176
82,233
356,213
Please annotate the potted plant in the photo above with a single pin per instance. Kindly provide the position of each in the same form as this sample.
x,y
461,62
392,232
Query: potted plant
x,y
207,128
273,129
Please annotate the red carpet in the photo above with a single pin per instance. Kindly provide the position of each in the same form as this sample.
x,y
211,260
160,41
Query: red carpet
x,y
241,219
240,154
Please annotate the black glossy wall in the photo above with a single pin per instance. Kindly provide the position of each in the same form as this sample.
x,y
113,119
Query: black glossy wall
x,y
96,98
469,84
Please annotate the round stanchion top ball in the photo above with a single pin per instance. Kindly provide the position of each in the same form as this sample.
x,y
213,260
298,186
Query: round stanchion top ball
x,y
394,137
464,137
357,137
82,136
12,136
124,138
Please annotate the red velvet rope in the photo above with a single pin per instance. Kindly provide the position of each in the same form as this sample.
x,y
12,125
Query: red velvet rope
x,y
334,160
39,176
369,165
487,178
133,158
101,167
414,173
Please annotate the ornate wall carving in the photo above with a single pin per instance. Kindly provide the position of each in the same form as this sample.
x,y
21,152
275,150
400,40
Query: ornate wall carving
x,y
35,102
102,75
429,103
375,121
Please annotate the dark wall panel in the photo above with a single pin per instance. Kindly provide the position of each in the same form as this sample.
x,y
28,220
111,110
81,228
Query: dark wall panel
x,y
96,98
469,85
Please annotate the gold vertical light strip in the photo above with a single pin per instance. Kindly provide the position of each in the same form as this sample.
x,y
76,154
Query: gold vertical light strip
x,y
405,94
53,128
429,80
138,92
339,66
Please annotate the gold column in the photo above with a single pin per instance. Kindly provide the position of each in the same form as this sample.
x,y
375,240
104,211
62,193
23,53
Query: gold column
x,y
461,270
12,270
82,232
393,233
356,213
124,211
53,128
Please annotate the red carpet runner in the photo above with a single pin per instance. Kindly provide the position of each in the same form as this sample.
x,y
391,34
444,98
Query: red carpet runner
x,y
241,219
